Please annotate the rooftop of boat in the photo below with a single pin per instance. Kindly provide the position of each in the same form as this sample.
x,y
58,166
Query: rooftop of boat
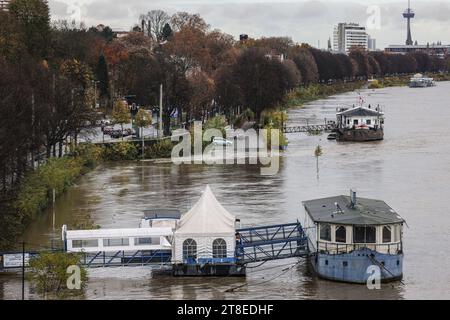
x,y
162,213
339,210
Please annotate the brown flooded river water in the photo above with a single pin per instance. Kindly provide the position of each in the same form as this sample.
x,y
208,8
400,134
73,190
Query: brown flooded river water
x,y
409,170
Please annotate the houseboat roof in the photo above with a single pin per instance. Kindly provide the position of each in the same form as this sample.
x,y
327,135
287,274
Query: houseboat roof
x,y
158,213
360,112
339,210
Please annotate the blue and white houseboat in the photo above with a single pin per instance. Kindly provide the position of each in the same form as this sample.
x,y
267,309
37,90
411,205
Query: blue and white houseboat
x,y
348,235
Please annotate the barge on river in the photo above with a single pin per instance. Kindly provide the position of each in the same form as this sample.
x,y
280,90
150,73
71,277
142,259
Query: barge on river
x,y
359,124
348,235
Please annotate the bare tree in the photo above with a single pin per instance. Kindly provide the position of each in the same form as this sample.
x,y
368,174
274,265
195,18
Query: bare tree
x,y
153,24
181,20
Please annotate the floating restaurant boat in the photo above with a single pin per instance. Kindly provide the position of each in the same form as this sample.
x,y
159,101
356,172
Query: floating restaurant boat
x,y
420,81
360,124
347,235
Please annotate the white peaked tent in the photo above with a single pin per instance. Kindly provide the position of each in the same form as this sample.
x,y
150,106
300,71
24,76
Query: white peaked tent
x,y
207,221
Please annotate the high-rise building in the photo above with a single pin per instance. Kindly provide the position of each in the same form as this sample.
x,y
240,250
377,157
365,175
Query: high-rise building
x,y
349,35
371,44
4,4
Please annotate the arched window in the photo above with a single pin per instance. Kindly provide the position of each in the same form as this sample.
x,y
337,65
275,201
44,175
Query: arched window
x,y
325,232
219,248
189,249
341,234
386,234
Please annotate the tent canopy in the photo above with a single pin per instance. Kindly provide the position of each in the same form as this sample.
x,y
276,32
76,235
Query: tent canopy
x,y
207,217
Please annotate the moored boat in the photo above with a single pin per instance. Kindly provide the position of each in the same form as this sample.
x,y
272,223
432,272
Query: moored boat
x,y
348,237
420,81
360,124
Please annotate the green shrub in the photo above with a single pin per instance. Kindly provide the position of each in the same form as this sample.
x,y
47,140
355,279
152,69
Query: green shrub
x,y
161,149
48,273
121,151
37,188
375,84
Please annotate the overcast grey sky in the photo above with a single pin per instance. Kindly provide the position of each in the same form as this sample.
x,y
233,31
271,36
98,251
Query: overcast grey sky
x,y
303,20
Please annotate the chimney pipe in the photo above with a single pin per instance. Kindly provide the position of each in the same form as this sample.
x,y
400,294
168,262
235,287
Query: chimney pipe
x,y
353,198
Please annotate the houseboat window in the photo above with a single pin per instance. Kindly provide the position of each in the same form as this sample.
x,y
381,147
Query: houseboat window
x,y
189,249
386,234
142,241
116,242
85,243
341,234
348,121
368,122
219,248
325,232
364,235
355,122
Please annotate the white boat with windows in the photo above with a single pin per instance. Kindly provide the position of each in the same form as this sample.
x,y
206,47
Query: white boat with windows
x,y
420,81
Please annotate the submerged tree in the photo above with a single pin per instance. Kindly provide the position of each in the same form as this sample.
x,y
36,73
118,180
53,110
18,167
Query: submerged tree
x,y
143,120
56,274
318,153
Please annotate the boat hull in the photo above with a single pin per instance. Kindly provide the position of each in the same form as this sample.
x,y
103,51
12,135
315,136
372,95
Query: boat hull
x,y
353,267
358,135
214,270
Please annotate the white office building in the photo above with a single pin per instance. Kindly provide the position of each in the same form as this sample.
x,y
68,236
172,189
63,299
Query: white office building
x,y
349,35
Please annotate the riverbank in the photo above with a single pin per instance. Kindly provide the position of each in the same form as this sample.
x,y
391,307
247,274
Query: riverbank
x,y
36,191
299,96
401,81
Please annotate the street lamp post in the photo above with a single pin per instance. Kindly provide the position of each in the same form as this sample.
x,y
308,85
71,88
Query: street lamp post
x,y
95,93
142,134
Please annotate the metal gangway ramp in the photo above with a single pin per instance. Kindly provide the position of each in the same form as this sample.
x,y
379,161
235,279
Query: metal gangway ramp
x,y
274,242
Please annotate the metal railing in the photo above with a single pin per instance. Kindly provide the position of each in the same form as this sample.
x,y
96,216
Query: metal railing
x,y
271,243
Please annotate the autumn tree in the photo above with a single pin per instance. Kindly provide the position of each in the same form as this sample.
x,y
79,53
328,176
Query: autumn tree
x,y
291,74
306,64
121,114
181,20
260,80
202,94
360,57
143,120
33,17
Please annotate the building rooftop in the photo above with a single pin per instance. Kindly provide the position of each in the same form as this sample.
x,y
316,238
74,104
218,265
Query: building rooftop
x,y
338,210
361,112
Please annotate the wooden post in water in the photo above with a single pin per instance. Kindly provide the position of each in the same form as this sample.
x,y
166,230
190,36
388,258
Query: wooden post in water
x,y
23,270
